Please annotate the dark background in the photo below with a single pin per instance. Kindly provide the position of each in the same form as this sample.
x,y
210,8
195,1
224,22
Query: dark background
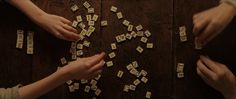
x,y
161,17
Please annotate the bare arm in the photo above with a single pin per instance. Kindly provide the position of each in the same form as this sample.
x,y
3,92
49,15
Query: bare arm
x,y
85,68
57,25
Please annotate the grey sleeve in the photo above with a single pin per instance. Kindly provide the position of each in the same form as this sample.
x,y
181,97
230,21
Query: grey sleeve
x,y
10,93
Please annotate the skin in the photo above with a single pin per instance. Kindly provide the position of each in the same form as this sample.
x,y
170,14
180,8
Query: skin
x,y
208,24
84,68
56,25
218,76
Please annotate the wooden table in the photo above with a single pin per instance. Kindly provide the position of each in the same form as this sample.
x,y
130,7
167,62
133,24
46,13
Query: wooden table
x,y
161,17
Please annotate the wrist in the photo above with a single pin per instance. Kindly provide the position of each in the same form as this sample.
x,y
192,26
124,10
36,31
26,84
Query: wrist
x,y
231,7
64,73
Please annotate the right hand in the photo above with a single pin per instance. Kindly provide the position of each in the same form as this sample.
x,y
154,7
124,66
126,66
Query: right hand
x,y
218,76
85,68
58,26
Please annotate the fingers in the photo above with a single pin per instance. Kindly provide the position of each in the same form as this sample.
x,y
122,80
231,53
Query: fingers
x,y
209,63
97,66
199,25
67,34
204,71
69,28
95,59
95,74
65,21
202,76
208,32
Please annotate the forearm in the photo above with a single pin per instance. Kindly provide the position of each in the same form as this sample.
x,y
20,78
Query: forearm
x,y
27,7
43,86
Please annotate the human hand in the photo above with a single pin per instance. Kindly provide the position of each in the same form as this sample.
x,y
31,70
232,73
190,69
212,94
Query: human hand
x,y
85,68
58,26
218,76
208,24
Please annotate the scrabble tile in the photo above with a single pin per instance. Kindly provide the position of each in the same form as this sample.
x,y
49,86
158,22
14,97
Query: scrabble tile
x,y
80,46
126,23
139,49
148,94
119,15
120,73
140,33
90,29
104,23
134,35
76,86
118,39
136,82
81,25
133,71
87,89
180,75
144,39
183,38
180,67
91,23
91,10
71,88
86,4
109,64
182,33
149,45
129,67
79,18
74,8
132,87
139,27
79,53
94,87
112,55
128,36
135,64
30,42
20,39
143,72
73,44
93,82
130,28
74,24
83,81
95,17
98,77
98,92
73,56
122,37
69,82
126,88
83,32
198,45
147,33
113,9
88,17
86,43
144,79
182,28
113,46
63,61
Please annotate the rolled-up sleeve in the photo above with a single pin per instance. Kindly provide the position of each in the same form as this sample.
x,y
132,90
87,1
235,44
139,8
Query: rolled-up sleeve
x,y
232,2
10,93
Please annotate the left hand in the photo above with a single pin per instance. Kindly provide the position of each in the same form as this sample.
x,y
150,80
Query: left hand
x,y
208,24
218,76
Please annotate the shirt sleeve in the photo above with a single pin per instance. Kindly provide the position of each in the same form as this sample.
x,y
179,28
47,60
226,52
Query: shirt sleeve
x,y
232,2
10,93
